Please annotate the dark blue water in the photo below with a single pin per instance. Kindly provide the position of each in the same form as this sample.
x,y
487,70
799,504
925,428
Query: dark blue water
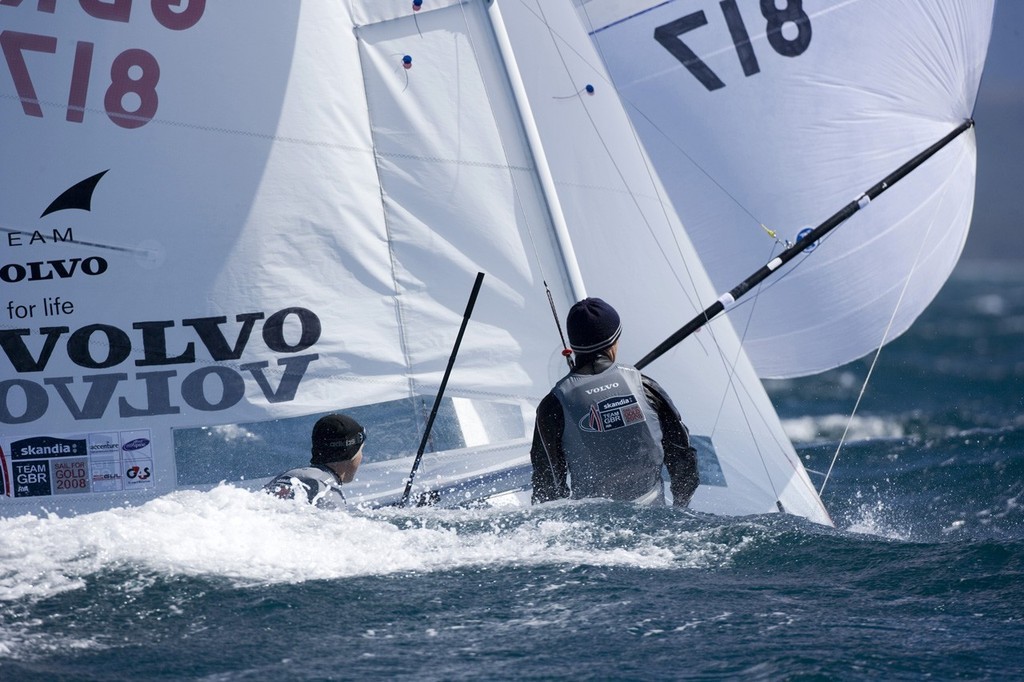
x,y
923,576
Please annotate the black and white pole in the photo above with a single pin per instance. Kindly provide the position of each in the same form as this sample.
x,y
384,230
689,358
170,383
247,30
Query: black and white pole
x,y
726,300
440,390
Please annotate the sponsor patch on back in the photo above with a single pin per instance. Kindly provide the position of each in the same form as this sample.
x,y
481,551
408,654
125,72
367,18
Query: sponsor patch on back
x,y
612,413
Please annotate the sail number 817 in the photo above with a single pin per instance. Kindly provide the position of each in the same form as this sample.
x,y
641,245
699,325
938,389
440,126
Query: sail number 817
x,y
134,73
670,37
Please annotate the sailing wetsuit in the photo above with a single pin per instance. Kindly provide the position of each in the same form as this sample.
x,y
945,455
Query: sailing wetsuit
x,y
604,431
319,483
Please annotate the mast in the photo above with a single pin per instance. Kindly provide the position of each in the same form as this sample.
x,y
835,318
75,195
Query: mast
x,y
540,161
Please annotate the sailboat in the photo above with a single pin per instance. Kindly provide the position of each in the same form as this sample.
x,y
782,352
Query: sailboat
x,y
219,225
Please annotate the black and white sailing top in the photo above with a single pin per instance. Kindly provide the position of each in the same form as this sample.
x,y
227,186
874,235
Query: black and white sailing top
x,y
320,485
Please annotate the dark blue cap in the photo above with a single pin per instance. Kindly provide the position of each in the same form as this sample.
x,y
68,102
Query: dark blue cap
x,y
592,325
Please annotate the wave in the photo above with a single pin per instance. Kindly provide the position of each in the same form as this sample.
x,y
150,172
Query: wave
x,y
886,484
212,564
253,539
830,427
916,424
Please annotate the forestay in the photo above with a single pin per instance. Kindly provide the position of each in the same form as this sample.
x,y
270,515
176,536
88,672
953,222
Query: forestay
x,y
266,216
772,116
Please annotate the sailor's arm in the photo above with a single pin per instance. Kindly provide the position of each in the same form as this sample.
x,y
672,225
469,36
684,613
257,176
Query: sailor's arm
x,y
546,455
680,456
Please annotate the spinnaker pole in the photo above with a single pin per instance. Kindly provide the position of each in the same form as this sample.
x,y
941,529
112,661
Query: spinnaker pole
x,y
727,300
440,390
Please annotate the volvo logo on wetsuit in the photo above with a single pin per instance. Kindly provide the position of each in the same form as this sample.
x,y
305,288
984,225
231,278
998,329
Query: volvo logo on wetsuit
x,y
606,387
612,413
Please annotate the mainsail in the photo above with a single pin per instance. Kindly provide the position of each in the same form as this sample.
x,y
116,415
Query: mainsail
x,y
219,224
764,118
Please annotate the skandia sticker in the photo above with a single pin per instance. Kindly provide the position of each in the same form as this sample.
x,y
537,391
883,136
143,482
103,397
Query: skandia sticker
x,y
612,413
46,446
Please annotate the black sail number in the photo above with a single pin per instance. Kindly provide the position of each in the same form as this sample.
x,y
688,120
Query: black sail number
x,y
780,21
792,13
668,36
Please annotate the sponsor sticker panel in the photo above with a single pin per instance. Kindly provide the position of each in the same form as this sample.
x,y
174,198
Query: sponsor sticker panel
x,y
99,462
612,413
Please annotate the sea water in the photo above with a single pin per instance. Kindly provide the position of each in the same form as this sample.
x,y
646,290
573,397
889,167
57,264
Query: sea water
x,y
922,577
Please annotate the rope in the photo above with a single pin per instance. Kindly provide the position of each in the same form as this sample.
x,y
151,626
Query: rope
x,y
566,353
878,351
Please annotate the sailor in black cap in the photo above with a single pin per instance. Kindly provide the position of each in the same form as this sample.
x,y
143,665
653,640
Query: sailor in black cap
x,y
337,452
605,430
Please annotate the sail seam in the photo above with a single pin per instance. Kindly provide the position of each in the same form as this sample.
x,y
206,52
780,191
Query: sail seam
x,y
403,341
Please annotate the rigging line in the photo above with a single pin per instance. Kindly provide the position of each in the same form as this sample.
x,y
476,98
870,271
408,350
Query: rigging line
x,y
835,220
661,201
556,38
731,377
885,336
124,249
742,338
731,364
659,129
737,383
566,353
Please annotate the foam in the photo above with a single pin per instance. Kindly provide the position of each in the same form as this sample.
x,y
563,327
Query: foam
x,y
876,518
254,539
830,427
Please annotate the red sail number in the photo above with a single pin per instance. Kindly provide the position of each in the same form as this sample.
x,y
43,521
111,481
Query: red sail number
x,y
130,100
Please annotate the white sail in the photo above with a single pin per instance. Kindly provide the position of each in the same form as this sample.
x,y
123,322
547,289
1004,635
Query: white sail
x,y
634,253
282,215
774,115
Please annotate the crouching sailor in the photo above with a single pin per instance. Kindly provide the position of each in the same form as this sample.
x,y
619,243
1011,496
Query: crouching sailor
x,y
337,452
605,430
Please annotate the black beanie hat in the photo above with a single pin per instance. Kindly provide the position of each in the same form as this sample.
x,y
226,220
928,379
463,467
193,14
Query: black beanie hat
x,y
592,325
336,438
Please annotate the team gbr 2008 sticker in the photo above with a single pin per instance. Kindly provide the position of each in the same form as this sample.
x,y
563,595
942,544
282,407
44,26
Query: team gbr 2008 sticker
x,y
100,462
